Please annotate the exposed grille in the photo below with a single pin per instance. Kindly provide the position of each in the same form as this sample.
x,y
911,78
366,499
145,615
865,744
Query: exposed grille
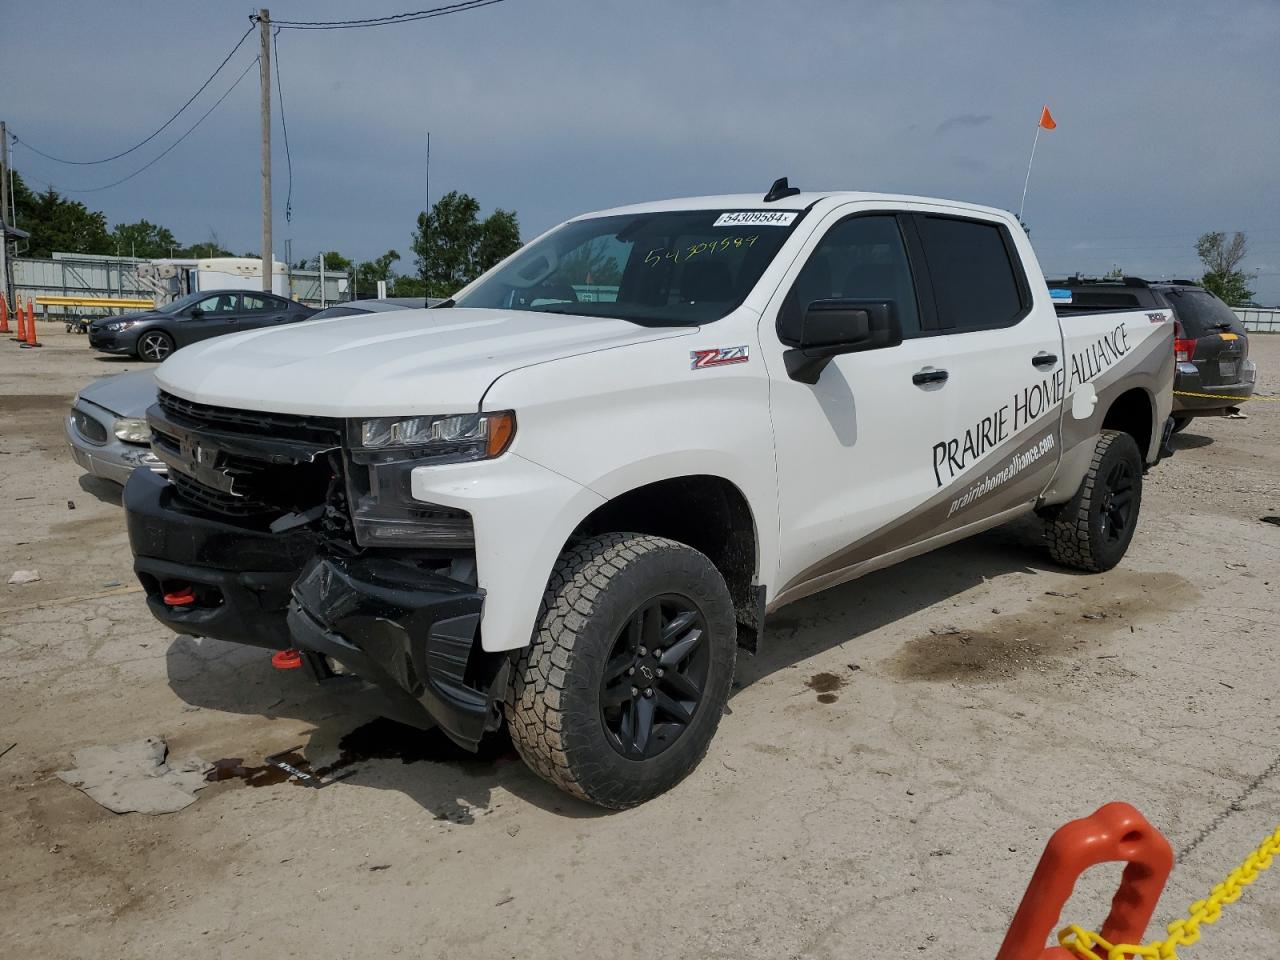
x,y
89,428
290,471
326,430
228,504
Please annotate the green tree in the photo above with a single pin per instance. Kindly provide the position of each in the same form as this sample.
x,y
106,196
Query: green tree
x,y
143,239
1222,274
452,245
370,272
1115,273
58,224
336,262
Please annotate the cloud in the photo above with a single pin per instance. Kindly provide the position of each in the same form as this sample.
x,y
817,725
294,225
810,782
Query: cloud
x,y
963,120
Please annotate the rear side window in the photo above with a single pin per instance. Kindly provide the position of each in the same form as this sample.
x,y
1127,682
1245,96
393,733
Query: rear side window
x,y
1201,313
976,282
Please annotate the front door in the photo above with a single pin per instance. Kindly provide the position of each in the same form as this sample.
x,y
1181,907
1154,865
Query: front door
x,y
212,316
853,449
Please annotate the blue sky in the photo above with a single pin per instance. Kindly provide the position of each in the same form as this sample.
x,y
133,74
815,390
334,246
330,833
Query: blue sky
x,y
1166,114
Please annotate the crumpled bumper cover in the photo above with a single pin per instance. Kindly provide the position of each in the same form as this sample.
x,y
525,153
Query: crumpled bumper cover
x,y
410,632
407,633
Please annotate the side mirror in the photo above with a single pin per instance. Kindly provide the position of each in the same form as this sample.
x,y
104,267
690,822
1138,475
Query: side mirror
x,y
833,327
195,313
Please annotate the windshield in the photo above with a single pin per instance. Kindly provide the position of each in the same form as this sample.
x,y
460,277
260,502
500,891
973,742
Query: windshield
x,y
181,302
677,268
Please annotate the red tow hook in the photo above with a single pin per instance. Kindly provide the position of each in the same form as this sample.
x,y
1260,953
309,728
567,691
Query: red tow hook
x,y
182,597
290,659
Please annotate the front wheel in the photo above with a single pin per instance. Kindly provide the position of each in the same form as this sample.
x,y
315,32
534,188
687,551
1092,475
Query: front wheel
x,y
154,346
1093,529
618,697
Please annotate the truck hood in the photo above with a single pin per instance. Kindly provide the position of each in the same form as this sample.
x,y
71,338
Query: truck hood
x,y
386,364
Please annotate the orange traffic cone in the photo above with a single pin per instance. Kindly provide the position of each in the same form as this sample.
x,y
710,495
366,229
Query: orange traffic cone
x,y
22,324
31,326
4,315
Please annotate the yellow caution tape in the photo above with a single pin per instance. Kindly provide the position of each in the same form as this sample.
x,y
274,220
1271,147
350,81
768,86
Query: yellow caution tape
x,y
1182,933
1221,396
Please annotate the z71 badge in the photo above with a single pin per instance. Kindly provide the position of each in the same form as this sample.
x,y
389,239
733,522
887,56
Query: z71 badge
x,y
717,357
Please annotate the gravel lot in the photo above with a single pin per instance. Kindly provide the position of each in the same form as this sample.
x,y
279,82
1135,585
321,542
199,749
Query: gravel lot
x,y
893,763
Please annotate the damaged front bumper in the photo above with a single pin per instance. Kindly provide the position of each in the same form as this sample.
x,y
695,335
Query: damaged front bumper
x,y
410,634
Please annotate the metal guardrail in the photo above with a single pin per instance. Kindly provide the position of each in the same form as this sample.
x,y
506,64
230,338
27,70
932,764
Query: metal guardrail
x,y
1259,320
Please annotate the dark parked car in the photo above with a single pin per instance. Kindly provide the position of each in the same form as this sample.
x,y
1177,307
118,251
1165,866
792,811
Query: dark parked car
x,y
1211,347
154,334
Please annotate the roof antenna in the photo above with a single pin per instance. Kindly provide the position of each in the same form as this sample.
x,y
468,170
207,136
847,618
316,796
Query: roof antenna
x,y
780,189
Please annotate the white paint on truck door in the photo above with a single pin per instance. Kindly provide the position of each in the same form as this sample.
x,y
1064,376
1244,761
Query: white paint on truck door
x,y
852,449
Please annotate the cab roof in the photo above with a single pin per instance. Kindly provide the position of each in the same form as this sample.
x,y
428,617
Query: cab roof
x,y
799,201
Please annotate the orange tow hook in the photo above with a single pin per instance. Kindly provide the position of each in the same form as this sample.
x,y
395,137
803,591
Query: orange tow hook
x,y
290,659
182,597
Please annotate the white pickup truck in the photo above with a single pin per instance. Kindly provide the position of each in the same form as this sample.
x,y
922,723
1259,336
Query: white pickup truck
x,y
563,499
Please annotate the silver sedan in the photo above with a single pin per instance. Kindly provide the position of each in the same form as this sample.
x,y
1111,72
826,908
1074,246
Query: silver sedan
x,y
107,426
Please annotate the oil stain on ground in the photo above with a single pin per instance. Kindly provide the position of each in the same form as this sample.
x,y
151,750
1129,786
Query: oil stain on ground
x,y
1055,624
379,739
825,686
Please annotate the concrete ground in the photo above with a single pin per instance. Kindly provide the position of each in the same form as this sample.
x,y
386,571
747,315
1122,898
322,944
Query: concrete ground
x,y
893,762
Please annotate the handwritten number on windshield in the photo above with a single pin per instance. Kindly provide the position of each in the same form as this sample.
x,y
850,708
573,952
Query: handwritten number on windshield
x,y
681,254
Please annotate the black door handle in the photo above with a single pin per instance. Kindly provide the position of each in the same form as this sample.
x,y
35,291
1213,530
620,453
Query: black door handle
x,y
929,376
1044,360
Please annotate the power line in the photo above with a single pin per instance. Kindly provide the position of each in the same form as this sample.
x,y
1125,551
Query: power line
x,y
190,130
125,153
288,159
461,7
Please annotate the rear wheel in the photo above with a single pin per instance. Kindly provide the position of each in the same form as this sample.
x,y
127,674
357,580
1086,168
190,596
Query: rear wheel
x,y
1181,423
154,346
618,697
1092,531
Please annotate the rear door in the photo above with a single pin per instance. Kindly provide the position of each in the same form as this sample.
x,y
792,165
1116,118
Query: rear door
x,y
1000,344
1222,345
262,310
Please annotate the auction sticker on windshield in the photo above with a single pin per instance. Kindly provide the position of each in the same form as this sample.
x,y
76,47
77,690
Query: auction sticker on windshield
x,y
757,218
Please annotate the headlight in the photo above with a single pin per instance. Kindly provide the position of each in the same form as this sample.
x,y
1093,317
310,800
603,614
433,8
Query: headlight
x,y
384,453
120,325
132,430
449,438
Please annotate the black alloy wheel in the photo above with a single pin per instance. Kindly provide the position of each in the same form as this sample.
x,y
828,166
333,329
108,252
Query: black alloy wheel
x,y
1117,501
653,682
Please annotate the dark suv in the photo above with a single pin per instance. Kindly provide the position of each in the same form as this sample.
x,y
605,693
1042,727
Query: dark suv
x,y
1211,346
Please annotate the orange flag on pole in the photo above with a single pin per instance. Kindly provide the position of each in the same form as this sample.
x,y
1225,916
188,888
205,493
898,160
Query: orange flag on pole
x,y
1046,119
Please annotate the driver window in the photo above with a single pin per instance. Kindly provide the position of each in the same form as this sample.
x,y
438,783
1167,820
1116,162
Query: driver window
x,y
861,258
219,303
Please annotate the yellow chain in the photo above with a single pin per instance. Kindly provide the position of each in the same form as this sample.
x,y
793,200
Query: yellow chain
x,y
1182,933
1221,396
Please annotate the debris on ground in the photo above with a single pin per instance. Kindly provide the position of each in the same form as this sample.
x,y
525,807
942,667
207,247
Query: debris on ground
x,y
946,631
134,777
1095,616
24,576
1272,520
71,504
7,749
1058,593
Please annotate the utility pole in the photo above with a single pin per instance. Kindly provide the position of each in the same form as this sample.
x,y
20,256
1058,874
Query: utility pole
x,y
4,214
264,74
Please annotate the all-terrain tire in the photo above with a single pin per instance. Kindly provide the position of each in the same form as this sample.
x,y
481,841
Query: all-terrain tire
x,y
1082,534
554,702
